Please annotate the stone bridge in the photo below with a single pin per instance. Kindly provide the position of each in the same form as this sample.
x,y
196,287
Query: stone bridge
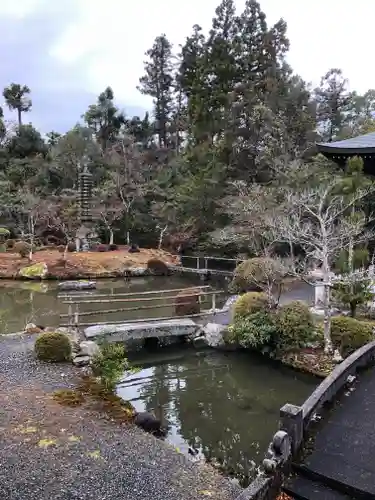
x,y
324,449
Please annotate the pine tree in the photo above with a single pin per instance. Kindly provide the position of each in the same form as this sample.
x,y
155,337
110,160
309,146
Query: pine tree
x,y
104,118
333,104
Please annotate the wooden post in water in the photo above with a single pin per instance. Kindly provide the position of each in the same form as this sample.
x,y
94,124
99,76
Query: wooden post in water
x,y
70,312
213,301
76,317
197,262
206,263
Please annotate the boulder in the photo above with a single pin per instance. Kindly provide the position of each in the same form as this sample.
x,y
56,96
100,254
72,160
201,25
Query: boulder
x,y
34,272
81,360
213,334
199,342
149,423
138,271
88,348
31,328
76,285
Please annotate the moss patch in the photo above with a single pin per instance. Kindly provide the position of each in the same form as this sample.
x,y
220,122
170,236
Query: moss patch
x,y
107,402
68,397
35,271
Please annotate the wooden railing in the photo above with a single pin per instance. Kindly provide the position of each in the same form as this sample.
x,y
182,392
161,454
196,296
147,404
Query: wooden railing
x,y
205,261
150,300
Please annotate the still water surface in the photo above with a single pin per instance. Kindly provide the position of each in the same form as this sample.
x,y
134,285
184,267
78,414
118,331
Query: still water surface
x,y
23,302
226,405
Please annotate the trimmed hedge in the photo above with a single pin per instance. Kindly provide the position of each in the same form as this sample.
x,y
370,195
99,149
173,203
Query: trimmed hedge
x,y
295,325
349,334
250,303
157,267
253,274
54,347
187,302
22,248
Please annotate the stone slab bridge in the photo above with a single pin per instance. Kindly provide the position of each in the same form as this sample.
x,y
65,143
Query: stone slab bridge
x,y
325,448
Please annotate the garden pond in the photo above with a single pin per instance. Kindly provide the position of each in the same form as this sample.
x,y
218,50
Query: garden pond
x,y
223,405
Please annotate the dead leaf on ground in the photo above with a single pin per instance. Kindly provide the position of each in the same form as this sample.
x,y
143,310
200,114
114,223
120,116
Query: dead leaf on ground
x,y
94,454
45,443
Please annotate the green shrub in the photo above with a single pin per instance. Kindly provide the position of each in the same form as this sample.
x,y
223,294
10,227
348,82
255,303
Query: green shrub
x,y
348,334
255,331
256,274
54,347
4,233
22,248
187,302
250,303
157,267
109,364
295,325
3,248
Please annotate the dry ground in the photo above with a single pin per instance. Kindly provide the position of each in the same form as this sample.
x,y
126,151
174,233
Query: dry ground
x,y
49,451
84,264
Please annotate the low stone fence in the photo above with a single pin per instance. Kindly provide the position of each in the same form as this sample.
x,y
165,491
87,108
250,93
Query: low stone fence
x,y
295,421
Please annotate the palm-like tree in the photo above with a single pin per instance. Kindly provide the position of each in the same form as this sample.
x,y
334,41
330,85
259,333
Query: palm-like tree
x,y
17,97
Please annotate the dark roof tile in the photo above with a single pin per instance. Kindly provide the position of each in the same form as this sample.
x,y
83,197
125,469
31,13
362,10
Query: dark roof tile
x,y
360,143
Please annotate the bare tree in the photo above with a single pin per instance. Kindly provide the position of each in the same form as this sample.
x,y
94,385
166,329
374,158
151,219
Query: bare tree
x,y
31,213
129,175
64,216
109,208
316,219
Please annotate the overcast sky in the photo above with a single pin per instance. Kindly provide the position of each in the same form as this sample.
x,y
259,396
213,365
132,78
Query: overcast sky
x,y
69,51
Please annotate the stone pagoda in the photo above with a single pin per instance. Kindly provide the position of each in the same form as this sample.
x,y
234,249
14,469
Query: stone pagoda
x,y
85,235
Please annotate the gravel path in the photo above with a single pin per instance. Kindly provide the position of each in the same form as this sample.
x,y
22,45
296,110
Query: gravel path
x,y
50,451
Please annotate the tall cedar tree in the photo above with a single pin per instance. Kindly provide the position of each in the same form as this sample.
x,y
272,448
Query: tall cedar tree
x,y
158,84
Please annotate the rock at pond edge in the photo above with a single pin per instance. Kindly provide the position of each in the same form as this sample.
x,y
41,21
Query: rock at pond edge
x,y
34,271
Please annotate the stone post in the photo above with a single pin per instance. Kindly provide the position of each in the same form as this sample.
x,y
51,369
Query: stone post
x,y
291,421
319,294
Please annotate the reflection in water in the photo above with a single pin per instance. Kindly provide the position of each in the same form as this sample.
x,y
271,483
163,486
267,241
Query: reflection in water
x,y
23,302
226,405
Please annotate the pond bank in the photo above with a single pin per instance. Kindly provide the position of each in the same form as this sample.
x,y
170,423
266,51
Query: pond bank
x,y
52,451
82,265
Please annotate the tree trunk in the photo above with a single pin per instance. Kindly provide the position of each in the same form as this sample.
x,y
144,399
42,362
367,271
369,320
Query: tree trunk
x,y
19,113
111,236
65,254
327,306
31,247
128,237
161,236
353,309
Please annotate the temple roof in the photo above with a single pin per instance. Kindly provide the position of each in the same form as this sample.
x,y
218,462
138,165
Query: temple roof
x,y
361,145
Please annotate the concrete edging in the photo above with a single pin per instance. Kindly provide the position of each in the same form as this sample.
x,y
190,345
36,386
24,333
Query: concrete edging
x,y
332,384
294,420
